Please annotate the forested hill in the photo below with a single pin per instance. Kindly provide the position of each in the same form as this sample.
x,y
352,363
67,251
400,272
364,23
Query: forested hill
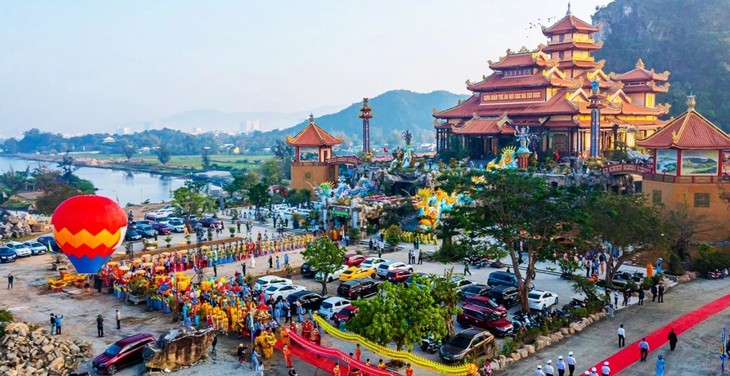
x,y
689,38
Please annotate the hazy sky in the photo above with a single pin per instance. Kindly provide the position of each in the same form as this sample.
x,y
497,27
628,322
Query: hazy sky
x,y
81,66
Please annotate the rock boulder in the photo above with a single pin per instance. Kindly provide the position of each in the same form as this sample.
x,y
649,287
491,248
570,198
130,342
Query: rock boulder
x,y
177,348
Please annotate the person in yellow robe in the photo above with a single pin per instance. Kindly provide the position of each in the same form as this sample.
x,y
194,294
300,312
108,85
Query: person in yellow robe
x,y
269,343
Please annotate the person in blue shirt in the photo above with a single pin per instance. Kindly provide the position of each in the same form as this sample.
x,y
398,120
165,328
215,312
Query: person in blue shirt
x,y
59,323
660,366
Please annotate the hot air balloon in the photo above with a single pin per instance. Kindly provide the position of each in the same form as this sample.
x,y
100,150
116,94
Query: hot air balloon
x,y
88,229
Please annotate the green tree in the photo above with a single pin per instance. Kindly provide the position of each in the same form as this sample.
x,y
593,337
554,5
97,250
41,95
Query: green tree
x,y
325,257
628,222
12,182
298,196
163,154
259,196
191,200
53,196
128,150
445,295
400,314
282,151
513,207
242,183
271,171
681,226
67,166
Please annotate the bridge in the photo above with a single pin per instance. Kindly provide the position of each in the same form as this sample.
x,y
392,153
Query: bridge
x,y
626,168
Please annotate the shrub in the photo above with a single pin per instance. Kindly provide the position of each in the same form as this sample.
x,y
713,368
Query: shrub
x,y
5,317
451,252
355,234
674,264
510,345
709,259
393,235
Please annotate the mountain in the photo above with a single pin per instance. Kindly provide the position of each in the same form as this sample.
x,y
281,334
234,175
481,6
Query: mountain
x,y
394,112
689,38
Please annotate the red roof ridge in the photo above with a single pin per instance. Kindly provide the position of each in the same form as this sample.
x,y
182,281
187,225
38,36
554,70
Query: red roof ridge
x,y
680,138
313,135
569,23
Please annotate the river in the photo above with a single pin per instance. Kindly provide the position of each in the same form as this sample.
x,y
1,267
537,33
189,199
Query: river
x,y
121,186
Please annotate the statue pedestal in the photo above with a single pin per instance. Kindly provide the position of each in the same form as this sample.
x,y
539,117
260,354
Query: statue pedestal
x,y
523,159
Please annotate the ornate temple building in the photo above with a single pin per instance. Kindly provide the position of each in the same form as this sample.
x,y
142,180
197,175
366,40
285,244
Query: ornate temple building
x,y
549,90
313,160
691,157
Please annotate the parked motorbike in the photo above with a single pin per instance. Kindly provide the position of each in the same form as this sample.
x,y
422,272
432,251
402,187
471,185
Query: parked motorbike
x,y
430,345
715,274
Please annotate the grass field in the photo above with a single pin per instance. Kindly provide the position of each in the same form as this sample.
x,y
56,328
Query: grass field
x,y
189,161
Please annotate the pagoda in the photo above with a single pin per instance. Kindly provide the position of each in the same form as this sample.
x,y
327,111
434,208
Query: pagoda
x,y
690,161
549,89
312,157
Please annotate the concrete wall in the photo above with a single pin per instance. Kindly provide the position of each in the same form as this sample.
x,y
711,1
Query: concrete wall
x,y
305,173
718,212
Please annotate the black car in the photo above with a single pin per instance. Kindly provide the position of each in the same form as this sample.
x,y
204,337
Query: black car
x,y
46,240
308,271
358,289
504,295
206,222
7,254
475,289
504,278
132,235
309,300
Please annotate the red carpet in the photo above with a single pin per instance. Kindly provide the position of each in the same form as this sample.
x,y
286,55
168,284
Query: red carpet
x,y
630,354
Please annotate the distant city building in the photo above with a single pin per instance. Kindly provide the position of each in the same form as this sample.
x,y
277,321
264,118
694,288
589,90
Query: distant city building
x,y
123,130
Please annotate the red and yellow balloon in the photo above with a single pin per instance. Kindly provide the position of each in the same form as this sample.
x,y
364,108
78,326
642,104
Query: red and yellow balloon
x,y
88,229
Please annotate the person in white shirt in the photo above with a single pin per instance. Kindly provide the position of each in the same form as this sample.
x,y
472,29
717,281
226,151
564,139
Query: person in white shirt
x,y
621,336
605,370
594,372
549,370
538,371
560,365
571,363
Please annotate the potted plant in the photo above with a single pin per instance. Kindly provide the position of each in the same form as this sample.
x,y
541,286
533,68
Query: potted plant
x,y
232,230
289,270
187,238
168,240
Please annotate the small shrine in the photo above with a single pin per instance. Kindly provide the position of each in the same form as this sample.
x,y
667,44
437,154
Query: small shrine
x,y
312,157
690,161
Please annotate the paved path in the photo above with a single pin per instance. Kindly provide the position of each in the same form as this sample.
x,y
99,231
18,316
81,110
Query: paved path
x,y
599,341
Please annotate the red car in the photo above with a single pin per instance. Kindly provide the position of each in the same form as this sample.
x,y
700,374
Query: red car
x,y
486,304
163,228
355,260
345,314
123,353
479,317
398,275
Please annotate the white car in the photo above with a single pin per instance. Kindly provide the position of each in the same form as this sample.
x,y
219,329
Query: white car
x,y
386,267
21,250
372,263
330,306
334,275
281,291
540,300
265,282
178,225
36,248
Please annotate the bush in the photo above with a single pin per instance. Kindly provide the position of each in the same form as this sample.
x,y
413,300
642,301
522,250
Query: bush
x,y
452,252
5,317
354,235
393,235
709,259
674,264
510,345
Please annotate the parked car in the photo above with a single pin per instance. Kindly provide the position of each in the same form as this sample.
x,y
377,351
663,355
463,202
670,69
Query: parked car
x,y
470,342
265,282
504,278
132,235
36,248
163,228
332,276
482,318
331,306
398,276
385,267
356,272
421,275
146,231
355,260
504,295
206,222
21,250
345,314
474,289
541,300
460,282
487,304
308,271
178,225
358,289
123,353
372,263
622,278
309,300
281,291
7,254
46,240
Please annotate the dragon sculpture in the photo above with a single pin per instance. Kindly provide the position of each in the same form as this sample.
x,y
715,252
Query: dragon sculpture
x,y
431,204
507,160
